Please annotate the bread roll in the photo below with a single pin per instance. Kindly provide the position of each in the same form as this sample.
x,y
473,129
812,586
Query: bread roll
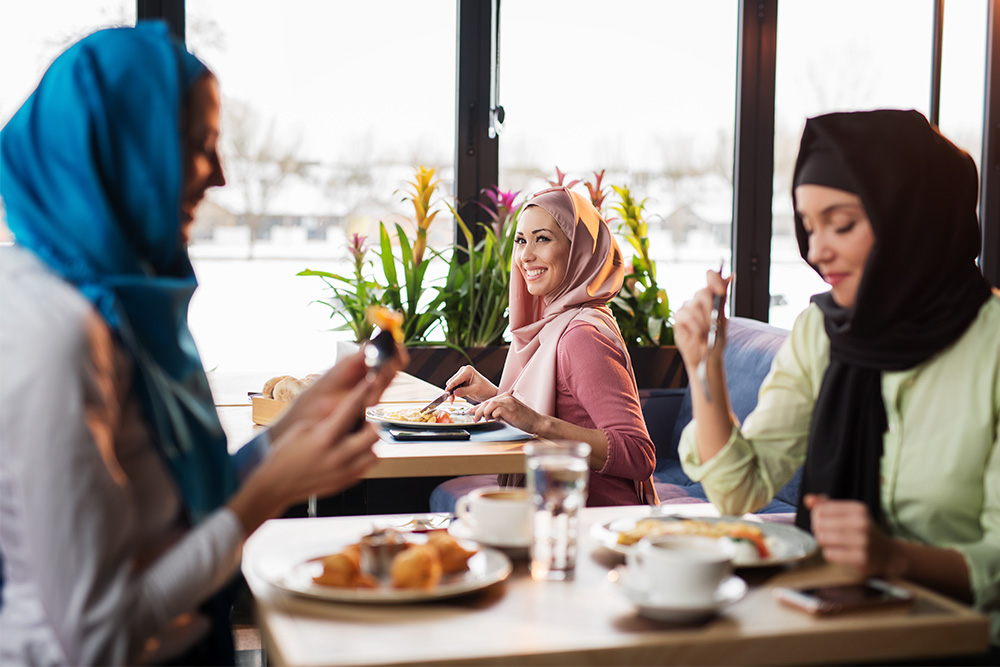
x,y
268,390
312,377
288,390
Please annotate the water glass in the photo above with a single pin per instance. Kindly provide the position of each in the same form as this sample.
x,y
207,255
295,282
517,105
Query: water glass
x,y
557,472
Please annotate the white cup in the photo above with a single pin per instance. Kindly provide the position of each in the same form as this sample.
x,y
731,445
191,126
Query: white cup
x,y
497,516
680,569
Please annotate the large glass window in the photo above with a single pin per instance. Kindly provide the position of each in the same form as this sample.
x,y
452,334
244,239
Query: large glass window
x,y
327,107
848,55
643,89
32,34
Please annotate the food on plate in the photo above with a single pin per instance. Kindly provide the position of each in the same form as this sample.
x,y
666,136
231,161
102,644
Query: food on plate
x,y
387,558
342,570
378,549
417,567
443,415
737,531
454,557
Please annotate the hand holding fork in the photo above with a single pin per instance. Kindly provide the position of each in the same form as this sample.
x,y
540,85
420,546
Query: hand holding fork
x,y
713,328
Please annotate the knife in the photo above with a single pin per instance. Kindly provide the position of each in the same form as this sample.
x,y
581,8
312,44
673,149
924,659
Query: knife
x,y
440,399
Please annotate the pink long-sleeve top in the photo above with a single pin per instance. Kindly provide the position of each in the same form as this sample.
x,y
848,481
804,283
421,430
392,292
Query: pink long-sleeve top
x,y
594,389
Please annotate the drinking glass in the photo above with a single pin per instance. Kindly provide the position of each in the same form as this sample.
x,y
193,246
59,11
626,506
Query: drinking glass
x,y
557,472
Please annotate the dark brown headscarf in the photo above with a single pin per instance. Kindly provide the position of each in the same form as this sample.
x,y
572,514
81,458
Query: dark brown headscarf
x,y
920,291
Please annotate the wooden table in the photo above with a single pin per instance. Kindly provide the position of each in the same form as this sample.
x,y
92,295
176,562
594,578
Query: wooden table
x,y
586,621
410,459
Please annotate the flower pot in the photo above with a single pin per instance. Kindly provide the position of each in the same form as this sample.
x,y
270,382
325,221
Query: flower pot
x,y
437,363
658,367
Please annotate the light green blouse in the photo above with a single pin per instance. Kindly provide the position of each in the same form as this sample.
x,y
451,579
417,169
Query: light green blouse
x,y
941,458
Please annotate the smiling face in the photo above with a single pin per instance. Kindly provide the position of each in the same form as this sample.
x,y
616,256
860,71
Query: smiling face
x,y
200,139
840,237
541,251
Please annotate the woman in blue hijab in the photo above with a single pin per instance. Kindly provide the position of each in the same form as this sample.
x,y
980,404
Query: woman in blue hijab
x,y
123,512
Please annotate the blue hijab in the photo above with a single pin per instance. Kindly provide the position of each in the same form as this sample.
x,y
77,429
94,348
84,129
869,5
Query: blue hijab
x,y
91,176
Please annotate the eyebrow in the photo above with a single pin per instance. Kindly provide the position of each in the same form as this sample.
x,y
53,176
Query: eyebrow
x,y
833,207
541,230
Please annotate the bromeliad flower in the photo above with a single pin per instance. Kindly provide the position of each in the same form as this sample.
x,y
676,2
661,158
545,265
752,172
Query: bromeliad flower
x,y
597,193
424,187
357,247
503,206
560,177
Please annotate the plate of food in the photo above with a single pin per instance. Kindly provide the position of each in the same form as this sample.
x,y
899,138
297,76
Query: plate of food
x,y
446,416
754,544
406,567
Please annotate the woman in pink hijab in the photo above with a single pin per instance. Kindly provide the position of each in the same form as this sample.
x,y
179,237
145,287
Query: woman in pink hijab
x,y
568,373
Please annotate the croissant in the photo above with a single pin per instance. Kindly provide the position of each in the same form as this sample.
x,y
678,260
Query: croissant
x,y
454,557
341,570
416,567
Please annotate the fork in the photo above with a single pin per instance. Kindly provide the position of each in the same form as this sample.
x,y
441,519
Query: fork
x,y
713,327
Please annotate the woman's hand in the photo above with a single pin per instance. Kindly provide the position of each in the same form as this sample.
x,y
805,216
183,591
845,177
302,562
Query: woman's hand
x,y
512,411
847,535
317,402
692,322
321,445
475,386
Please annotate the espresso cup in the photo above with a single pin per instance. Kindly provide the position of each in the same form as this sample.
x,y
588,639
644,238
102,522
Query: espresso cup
x,y
497,516
680,569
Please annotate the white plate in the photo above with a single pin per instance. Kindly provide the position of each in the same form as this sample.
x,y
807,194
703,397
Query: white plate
x,y
787,544
729,591
487,567
463,531
379,412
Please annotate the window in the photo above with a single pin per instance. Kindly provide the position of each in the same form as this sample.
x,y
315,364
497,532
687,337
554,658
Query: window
x,y
32,34
327,107
848,55
643,89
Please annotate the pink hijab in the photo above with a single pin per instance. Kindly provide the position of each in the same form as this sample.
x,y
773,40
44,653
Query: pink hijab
x,y
594,275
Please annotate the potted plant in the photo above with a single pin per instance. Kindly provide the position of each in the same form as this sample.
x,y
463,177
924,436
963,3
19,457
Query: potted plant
x,y
642,308
470,305
408,297
352,295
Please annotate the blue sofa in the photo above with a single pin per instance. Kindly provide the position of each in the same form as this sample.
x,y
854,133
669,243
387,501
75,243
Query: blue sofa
x,y
750,348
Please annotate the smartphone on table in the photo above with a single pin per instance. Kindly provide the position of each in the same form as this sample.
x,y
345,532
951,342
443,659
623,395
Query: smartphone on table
x,y
821,600
456,434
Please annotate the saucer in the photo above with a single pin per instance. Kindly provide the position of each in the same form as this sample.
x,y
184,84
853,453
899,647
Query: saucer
x,y
656,608
464,531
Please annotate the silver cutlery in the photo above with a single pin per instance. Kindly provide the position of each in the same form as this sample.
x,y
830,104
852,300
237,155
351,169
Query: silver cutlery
x,y
440,399
713,328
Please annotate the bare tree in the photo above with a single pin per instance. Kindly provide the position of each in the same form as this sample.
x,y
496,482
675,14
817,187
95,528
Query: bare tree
x,y
258,162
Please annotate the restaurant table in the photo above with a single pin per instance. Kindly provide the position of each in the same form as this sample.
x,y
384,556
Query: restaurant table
x,y
584,621
428,458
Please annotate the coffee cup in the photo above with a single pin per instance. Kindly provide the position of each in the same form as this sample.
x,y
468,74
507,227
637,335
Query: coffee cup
x,y
497,516
680,569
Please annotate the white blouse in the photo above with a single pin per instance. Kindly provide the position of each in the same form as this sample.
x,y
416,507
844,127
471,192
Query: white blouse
x,y
97,557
